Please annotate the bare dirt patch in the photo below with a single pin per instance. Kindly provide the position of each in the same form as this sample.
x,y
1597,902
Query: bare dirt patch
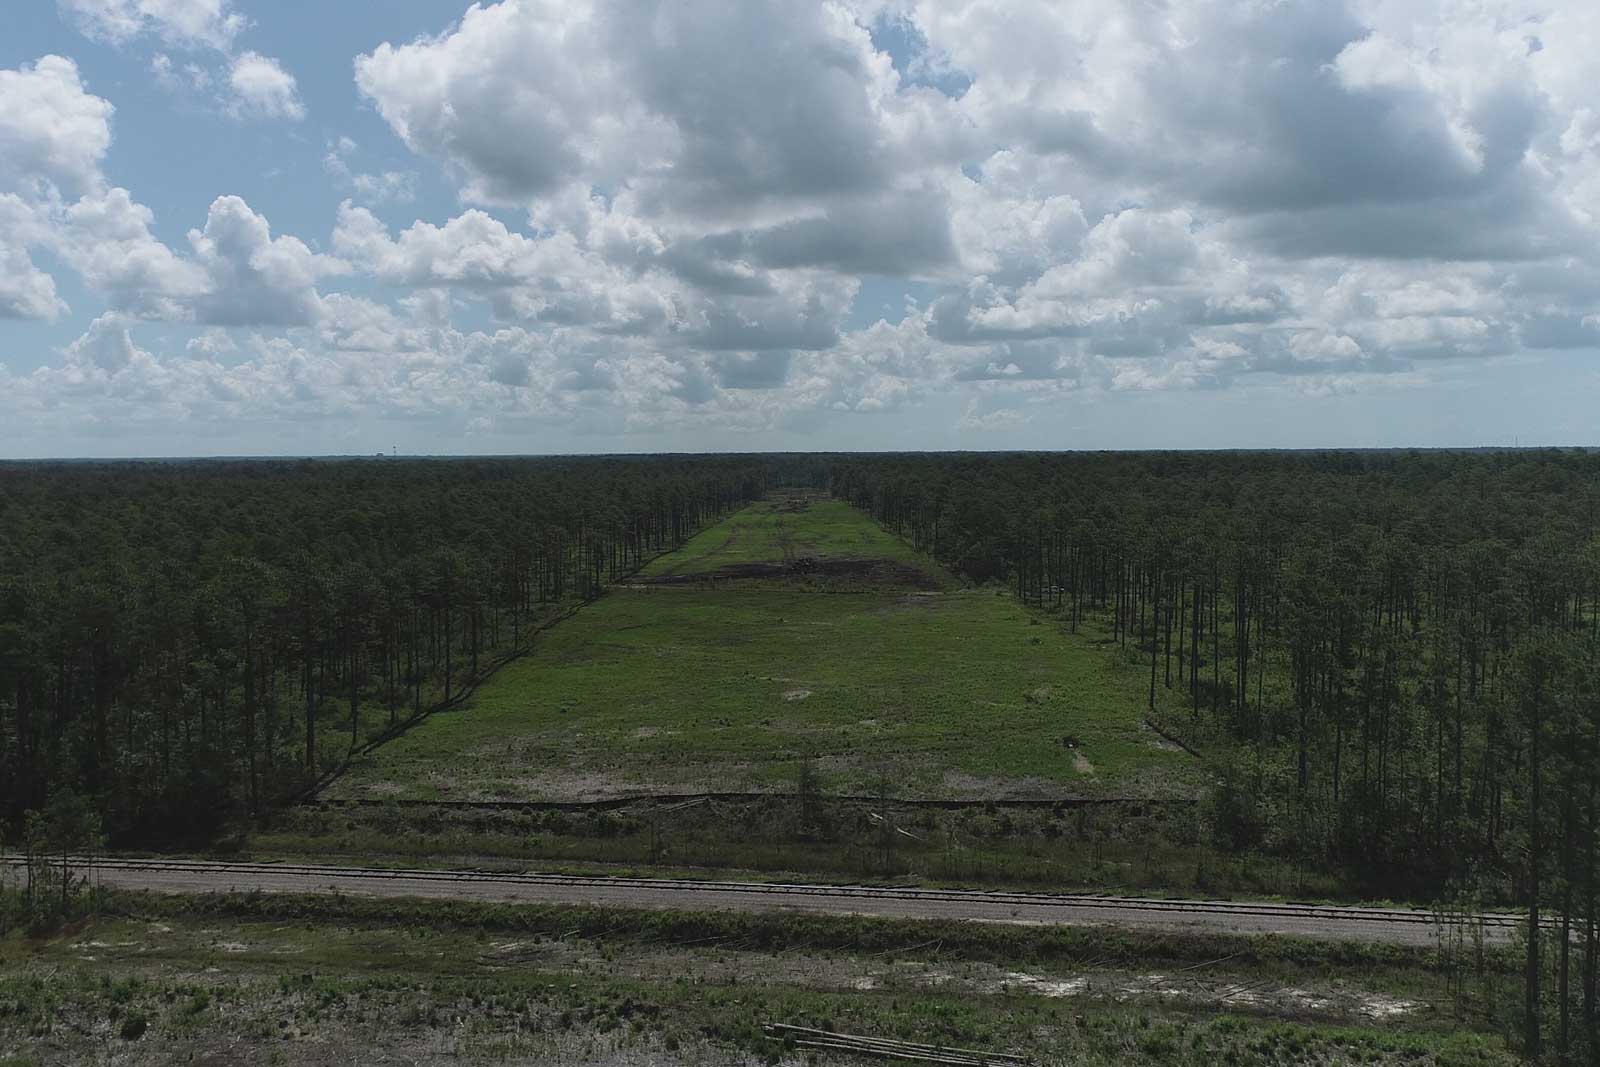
x,y
796,500
1344,1003
1081,764
792,695
1044,987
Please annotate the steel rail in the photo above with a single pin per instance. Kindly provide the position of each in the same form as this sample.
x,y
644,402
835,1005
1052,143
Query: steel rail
x,y
688,887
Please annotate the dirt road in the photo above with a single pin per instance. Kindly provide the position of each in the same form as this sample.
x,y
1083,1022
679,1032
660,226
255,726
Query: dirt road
x,y
1393,925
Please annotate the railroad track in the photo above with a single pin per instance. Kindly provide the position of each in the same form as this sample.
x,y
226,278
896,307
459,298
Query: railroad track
x,y
658,799
1400,925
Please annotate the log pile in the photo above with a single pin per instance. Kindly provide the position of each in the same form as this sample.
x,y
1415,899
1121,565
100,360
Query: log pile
x,y
888,1049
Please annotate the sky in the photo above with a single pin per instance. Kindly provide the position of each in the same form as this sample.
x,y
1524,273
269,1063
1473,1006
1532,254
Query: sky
x,y
555,226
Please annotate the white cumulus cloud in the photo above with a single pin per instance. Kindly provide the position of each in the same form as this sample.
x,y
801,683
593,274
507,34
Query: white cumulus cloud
x,y
744,216
188,23
52,129
263,89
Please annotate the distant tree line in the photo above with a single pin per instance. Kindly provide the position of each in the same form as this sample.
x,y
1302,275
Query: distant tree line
x,y
182,642
1395,657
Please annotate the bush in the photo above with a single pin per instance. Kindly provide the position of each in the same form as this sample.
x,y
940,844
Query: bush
x,y
1237,821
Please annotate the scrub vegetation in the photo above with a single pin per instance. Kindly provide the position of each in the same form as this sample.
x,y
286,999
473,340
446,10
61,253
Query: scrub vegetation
x,y
310,980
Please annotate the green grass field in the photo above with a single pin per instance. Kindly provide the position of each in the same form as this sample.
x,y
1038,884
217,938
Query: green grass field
x,y
731,686
822,528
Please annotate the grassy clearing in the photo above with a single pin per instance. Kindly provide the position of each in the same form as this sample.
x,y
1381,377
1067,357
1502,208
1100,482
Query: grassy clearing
x,y
299,980
801,523
686,688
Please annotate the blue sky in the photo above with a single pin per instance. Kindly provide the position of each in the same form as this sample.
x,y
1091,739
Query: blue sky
x,y
178,151
532,226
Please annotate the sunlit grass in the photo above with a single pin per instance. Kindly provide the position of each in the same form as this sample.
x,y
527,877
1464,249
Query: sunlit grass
x,y
961,693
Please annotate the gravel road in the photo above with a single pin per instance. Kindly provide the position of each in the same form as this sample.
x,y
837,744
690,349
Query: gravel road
x,y
1393,925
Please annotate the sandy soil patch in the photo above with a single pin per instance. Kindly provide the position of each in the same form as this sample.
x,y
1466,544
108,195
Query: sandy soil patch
x,y
1355,1002
1081,764
792,695
1379,1006
1045,987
